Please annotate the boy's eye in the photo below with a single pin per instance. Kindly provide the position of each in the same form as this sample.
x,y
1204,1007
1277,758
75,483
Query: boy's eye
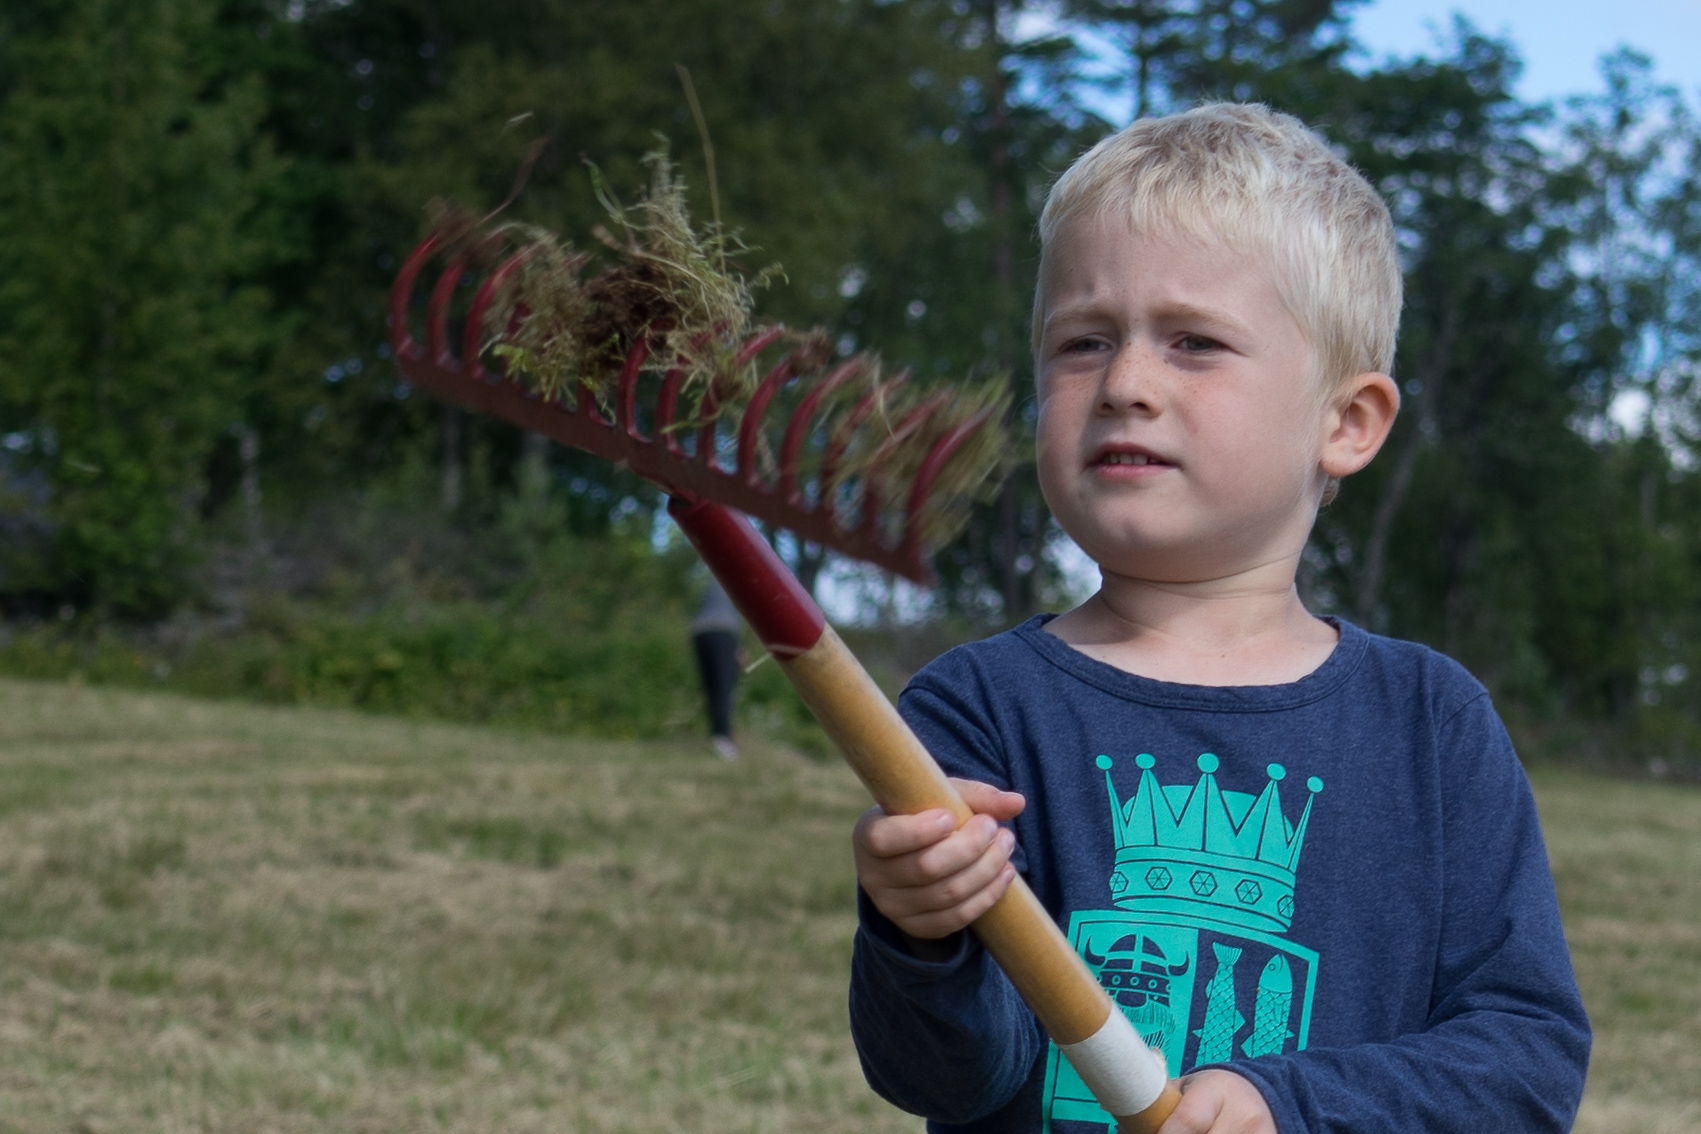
x,y
1197,344
1082,346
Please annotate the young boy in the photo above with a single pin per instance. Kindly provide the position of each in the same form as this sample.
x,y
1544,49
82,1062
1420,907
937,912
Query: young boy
x,y
1303,858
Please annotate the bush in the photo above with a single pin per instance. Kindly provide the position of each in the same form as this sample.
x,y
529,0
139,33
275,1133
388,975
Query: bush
x,y
595,642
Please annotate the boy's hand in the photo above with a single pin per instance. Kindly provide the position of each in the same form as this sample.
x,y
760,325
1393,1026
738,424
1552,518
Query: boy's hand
x,y
931,877
1219,1102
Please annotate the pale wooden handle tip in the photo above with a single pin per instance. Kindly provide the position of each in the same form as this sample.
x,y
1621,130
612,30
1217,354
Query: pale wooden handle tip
x,y
1149,1120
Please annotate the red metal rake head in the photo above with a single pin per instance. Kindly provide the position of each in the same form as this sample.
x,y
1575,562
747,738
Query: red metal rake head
x,y
798,477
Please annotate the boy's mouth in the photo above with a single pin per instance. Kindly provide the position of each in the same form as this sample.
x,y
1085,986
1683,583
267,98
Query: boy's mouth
x,y
1130,459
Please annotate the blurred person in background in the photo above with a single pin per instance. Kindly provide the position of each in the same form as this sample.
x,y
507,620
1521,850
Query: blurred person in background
x,y
714,632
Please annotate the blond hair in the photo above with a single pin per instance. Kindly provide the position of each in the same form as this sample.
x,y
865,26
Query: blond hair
x,y
1261,183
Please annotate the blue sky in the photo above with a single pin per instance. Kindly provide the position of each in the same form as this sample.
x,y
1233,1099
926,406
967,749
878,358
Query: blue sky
x,y
1560,40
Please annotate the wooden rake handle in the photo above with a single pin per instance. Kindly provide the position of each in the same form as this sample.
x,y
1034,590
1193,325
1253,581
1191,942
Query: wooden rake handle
x,y
1092,1032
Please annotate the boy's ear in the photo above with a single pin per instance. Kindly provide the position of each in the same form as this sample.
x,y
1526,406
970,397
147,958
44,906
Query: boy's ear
x,y
1359,419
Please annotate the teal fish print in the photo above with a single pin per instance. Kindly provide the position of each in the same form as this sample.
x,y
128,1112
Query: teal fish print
x,y
1270,1014
1222,1020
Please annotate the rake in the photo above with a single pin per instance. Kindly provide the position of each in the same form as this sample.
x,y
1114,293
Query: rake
x,y
713,469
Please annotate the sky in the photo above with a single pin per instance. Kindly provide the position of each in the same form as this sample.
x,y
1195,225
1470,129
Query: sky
x,y
1559,40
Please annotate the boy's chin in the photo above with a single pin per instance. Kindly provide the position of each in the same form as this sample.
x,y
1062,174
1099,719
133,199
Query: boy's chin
x,y
1154,564
1178,548
1157,572
1158,563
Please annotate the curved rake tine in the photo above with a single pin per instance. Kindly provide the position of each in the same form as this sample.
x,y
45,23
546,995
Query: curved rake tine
x,y
706,443
937,458
874,484
841,438
797,430
626,399
401,297
749,429
755,346
472,331
437,315
666,405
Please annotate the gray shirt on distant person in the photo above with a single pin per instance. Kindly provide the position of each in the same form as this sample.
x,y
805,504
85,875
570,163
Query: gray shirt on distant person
x,y
716,612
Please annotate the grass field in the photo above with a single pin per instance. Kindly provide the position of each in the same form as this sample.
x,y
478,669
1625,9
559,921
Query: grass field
x,y
216,917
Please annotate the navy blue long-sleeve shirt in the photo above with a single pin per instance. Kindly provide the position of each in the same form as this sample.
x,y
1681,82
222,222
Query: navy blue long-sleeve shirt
x,y
1336,886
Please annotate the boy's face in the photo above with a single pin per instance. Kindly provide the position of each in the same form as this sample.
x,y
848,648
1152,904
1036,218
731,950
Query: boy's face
x,y
1181,426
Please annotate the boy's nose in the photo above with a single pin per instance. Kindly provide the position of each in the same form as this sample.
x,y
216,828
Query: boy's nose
x,y
1131,383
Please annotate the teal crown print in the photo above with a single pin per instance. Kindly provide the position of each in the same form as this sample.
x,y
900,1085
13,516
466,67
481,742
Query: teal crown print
x,y
1199,851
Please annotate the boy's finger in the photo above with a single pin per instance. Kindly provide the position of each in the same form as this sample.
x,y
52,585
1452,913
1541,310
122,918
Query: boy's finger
x,y
942,923
952,890
950,856
886,836
984,799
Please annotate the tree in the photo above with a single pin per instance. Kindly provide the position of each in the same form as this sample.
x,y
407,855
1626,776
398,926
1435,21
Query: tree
x,y
1510,523
132,174
1177,52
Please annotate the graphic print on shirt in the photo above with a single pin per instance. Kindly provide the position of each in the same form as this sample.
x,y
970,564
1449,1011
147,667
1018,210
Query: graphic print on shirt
x,y
1193,951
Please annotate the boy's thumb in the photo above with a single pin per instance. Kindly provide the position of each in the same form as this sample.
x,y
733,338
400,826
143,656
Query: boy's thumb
x,y
984,799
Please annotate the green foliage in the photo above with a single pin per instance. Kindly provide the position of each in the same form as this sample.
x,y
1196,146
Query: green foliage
x,y
592,640
132,196
629,677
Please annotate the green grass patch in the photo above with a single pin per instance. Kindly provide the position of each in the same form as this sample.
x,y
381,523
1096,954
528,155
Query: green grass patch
x,y
223,917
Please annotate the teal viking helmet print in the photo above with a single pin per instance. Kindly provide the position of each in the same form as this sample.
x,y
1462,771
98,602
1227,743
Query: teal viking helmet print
x,y
1183,847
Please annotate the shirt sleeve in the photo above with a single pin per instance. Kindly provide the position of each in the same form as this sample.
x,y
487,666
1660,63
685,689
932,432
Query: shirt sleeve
x,y
950,1040
1506,1044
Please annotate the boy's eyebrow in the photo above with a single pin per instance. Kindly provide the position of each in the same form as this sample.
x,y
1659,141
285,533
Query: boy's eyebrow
x,y
1189,313
1088,309
1178,311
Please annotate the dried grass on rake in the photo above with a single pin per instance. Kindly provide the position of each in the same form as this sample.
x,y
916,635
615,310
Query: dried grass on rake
x,y
556,325
568,318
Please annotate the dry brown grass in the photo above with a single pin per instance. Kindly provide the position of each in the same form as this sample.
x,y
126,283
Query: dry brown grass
x,y
1627,859
221,918
215,917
